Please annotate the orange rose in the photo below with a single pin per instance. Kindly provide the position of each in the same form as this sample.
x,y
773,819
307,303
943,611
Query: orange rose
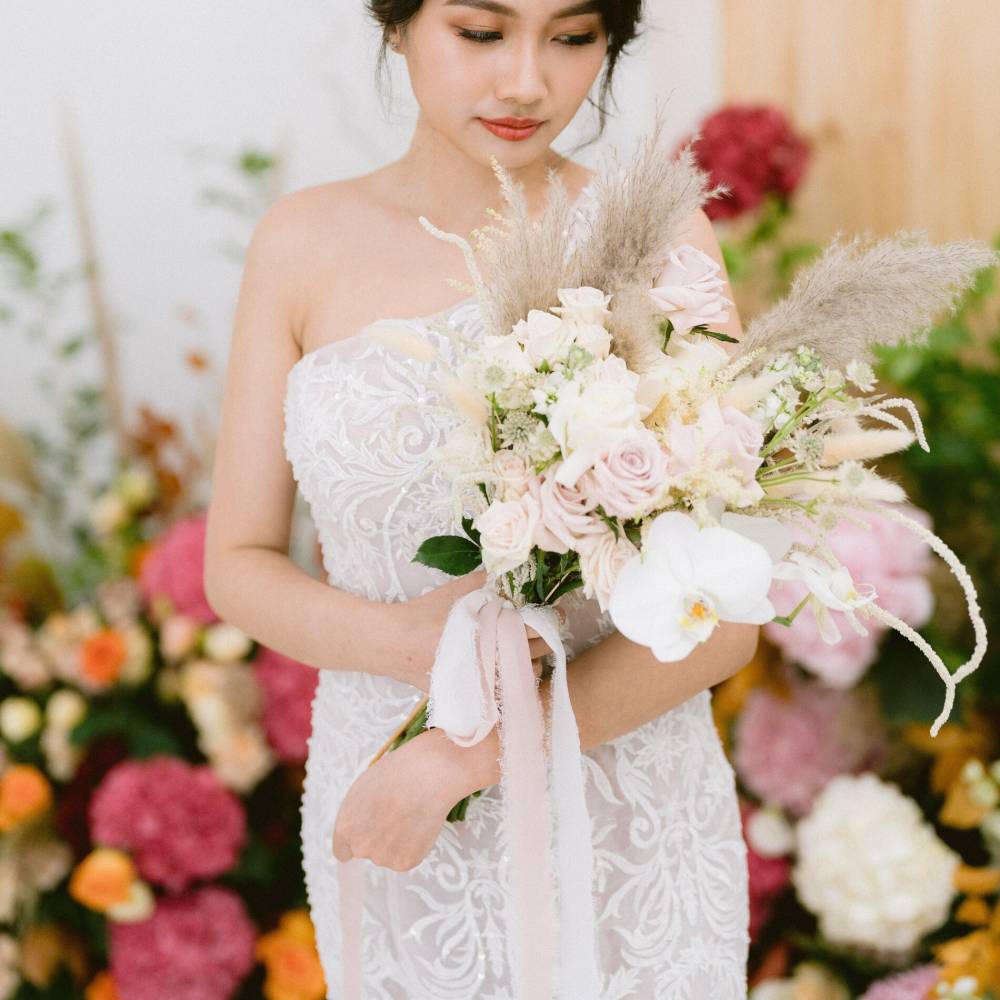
x,y
103,878
24,793
102,656
289,955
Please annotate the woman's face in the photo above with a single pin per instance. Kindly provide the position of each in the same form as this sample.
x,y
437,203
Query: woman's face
x,y
476,60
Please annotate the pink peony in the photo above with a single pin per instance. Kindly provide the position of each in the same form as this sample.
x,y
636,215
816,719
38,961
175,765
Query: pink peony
x,y
628,477
178,821
768,878
564,513
288,688
175,568
199,946
753,150
889,557
786,750
914,984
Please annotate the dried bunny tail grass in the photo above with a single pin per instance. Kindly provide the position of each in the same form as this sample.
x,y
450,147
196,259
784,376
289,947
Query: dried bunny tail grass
x,y
526,258
853,297
951,680
640,210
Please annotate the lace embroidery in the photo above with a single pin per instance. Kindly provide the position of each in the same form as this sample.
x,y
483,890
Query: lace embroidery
x,y
670,858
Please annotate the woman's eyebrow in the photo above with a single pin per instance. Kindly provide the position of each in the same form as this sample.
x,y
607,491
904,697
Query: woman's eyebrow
x,y
585,7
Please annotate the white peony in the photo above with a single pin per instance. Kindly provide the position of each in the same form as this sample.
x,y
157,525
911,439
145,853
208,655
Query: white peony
x,y
685,581
583,305
871,868
545,337
506,529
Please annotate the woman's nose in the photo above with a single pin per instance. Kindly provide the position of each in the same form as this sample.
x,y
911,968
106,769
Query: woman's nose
x,y
522,78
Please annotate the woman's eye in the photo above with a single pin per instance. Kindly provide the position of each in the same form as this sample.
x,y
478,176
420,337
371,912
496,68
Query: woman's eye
x,y
492,36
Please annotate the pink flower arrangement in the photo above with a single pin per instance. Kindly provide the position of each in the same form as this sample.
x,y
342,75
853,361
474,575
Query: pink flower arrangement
x,y
914,984
178,821
754,151
199,946
175,568
768,878
890,558
786,750
288,688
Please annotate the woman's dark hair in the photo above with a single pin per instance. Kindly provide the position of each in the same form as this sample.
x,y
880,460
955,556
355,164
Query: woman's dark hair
x,y
621,25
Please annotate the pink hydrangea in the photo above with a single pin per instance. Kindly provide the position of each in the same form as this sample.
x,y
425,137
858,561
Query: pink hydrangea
x,y
891,558
786,750
288,688
914,984
175,568
768,877
177,820
199,946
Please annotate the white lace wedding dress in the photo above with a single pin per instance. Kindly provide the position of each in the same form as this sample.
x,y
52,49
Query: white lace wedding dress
x,y
670,861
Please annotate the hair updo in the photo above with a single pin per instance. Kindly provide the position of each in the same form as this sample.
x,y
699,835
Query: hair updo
x,y
621,24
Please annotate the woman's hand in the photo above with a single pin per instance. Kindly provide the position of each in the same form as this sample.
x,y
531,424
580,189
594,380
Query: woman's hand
x,y
395,809
422,620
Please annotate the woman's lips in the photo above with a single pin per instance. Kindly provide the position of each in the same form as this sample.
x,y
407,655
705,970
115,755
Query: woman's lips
x,y
509,132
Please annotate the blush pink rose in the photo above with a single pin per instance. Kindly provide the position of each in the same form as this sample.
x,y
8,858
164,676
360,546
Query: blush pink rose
x,y
601,559
725,429
628,477
565,513
689,289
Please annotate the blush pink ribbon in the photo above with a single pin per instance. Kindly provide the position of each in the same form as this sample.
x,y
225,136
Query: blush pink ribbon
x,y
483,647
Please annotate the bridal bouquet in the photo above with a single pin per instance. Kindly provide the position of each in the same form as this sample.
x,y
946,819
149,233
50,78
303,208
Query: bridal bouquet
x,y
608,440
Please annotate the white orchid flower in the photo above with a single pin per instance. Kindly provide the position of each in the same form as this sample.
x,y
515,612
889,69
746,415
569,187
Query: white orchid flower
x,y
685,581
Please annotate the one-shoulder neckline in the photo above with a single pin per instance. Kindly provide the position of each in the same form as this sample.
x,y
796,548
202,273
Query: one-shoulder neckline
x,y
429,317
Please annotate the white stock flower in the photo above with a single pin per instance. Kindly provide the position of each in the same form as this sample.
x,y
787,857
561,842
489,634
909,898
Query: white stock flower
x,y
871,868
65,708
685,581
506,530
584,305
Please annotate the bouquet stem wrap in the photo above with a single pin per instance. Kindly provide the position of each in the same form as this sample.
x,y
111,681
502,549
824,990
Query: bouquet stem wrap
x,y
484,646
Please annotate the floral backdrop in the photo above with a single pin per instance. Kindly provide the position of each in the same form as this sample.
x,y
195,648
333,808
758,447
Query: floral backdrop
x,y
151,756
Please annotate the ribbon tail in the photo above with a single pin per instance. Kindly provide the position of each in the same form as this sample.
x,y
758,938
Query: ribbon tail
x,y
579,971
526,806
350,878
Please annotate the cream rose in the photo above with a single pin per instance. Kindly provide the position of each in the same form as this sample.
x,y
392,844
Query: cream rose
x,y
628,477
601,558
507,529
583,305
689,289
515,472
545,337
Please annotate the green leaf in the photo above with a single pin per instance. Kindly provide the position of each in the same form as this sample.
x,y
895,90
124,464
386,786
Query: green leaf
x,y
472,532
451,553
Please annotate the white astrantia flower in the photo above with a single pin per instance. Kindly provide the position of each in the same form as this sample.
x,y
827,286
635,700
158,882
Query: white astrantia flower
x,y
687,579
871,868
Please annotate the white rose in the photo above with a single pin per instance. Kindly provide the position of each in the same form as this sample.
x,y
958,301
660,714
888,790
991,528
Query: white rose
x,y
545,337
19,718
506,530
769,833
515,472
592,337
225,643
585,420
583,305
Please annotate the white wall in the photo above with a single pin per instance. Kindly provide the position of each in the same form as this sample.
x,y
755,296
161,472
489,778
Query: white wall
x,y
161,92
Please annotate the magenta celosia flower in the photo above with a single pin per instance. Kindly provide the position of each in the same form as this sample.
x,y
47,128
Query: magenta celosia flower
x,y
914,984
889,557
288,688
786,750
175,568
177,820
768,877
753,150
199,946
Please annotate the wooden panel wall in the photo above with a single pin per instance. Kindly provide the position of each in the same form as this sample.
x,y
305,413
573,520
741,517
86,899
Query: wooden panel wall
x,y
901,99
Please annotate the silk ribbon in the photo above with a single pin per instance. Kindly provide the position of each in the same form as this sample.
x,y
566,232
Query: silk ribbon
x,y
483,648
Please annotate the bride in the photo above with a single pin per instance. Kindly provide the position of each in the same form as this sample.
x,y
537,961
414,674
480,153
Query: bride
x,y
311,401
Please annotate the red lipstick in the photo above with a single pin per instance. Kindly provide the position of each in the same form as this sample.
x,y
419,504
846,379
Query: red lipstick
x,y
513,129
